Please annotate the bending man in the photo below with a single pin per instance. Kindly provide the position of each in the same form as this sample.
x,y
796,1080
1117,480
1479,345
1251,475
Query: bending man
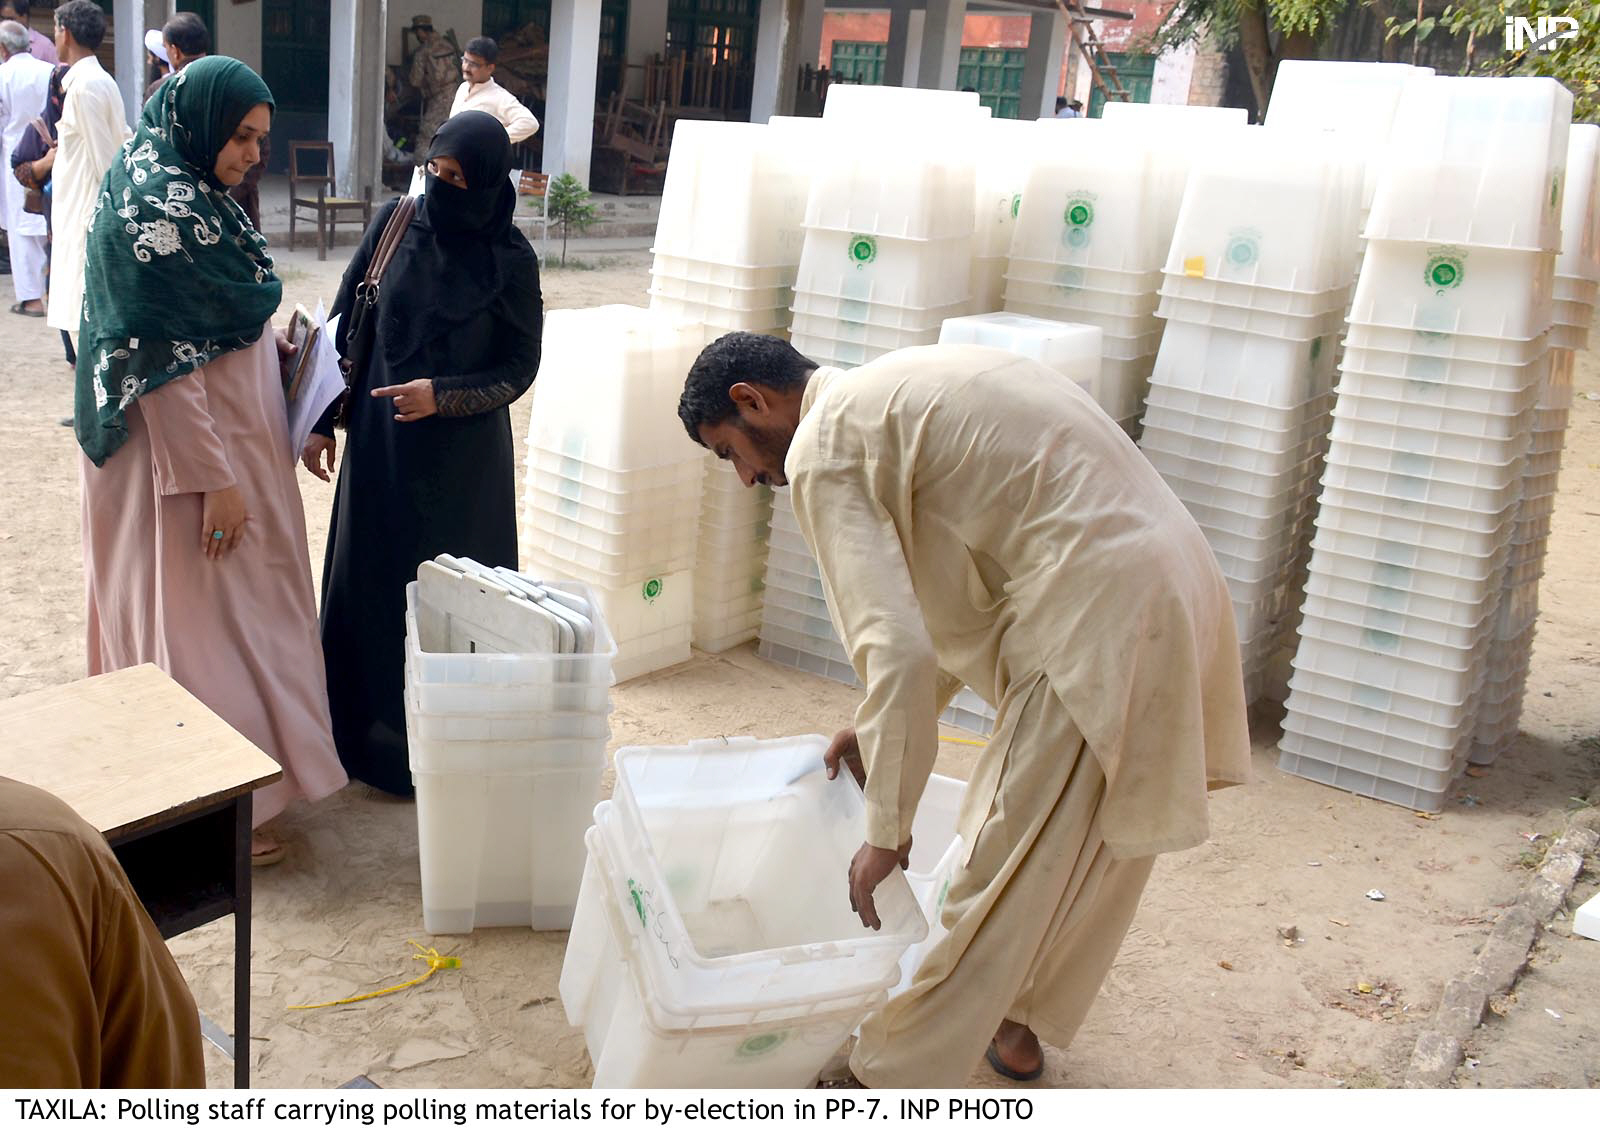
x,y
978,519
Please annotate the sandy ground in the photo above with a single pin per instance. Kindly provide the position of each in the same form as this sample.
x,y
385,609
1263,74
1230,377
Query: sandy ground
x,y
1205,992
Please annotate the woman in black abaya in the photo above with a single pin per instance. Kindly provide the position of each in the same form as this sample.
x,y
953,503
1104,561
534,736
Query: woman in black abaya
x,y
428,460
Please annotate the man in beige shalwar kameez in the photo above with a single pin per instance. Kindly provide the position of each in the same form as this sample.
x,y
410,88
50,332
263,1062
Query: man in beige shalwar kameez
x,y
978,519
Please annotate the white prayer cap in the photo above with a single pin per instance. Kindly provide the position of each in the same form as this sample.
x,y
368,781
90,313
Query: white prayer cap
x,y
156,46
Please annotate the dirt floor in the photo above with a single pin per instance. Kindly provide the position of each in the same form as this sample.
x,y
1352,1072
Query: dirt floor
x,y
1205,993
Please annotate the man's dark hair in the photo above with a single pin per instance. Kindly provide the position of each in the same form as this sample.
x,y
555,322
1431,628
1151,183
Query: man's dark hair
x,y
187,32
483,47
741,356
1061,102
86,22
20,7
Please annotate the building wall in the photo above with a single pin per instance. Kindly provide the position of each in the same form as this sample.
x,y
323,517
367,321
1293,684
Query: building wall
x,y
979,30
238,32
1208,86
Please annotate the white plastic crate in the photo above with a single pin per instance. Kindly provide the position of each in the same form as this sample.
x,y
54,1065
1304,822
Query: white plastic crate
x,y
499,824
1417,343
850,334
1448,679
608,377
1338,556
719,321
1236,420
886,271
1081,277
738,847
1280,300
609,563
823,309
1455,290
1100,196
1072,349
1423,717
1475,161
639,1036
735,193
615,490
777,645
1273,373
1136,305
895,183
1400,413
468,644
1271,210
1212,486
1272,465
969,711
1444,393
1454,484
718,296
1404,731
1253,320
1417,785
728,274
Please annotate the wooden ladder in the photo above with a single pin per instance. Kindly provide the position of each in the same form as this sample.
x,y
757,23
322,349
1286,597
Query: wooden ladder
x,y
1102,71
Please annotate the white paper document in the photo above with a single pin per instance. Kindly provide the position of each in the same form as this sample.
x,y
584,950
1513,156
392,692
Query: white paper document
x,y
323,382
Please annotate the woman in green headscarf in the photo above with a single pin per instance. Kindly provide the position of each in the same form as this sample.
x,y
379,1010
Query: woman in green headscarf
x,y
193,531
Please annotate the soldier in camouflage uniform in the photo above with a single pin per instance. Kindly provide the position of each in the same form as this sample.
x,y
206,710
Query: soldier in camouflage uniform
x,y
435,72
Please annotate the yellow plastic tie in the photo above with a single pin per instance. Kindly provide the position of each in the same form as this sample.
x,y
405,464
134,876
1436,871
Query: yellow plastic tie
x,y
1195,267
964,740
435,959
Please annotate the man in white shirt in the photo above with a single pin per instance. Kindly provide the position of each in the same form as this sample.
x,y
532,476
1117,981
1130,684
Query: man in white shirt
x,y
39,46
481,92
24,86
92,129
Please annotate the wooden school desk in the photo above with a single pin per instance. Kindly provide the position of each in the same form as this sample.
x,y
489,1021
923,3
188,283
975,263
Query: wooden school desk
x,y
168,783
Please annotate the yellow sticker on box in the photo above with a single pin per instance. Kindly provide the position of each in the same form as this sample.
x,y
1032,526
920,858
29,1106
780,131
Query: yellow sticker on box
x,y
1195,267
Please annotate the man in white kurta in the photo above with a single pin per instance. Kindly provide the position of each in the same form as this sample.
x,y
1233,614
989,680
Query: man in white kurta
x,y
978,519
92,129
24,86
479,91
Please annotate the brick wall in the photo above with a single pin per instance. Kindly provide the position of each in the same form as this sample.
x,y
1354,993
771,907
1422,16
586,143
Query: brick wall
x,y
1209,83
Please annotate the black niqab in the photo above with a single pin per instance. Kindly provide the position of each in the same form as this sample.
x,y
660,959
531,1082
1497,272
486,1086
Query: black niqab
x,y
461,251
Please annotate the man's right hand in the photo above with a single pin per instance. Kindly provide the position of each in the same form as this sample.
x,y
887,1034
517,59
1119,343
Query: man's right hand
x,y
847,750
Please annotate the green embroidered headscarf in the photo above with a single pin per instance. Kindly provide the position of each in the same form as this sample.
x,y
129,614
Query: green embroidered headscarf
x,y
175,275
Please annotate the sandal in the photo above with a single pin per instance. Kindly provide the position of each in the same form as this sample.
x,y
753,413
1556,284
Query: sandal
x,y
269,855
993,1055
20,309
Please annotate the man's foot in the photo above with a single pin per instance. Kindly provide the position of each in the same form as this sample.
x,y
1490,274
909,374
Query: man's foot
x,y
68,422
29,307
848,1082
265,850
1015,1052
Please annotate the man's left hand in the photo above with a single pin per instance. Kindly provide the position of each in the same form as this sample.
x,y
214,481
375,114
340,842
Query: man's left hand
x,y
870,866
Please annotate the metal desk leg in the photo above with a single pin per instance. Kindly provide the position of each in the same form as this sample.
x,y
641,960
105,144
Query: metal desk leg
x,y
241,941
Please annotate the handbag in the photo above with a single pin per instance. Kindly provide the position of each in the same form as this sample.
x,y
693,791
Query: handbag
x,y
33,195
361,321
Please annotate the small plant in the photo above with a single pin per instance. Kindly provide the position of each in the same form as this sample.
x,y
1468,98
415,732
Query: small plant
x,y
567,203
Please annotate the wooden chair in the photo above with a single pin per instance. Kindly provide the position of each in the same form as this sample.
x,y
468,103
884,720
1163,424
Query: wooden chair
x,y
326,207
532,188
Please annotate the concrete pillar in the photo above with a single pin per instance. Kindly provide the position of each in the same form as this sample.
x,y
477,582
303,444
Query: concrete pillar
x,y
898,48
941,44
788,36
1041,66
129,19
647,36
569,92
355,94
